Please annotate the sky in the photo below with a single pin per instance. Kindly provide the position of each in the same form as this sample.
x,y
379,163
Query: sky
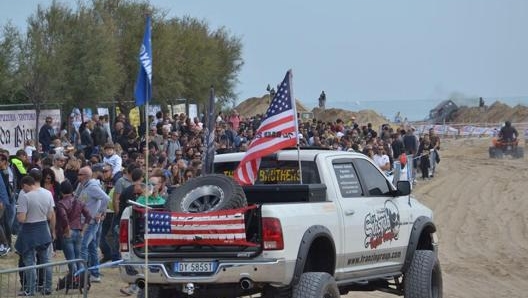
x,y
384,50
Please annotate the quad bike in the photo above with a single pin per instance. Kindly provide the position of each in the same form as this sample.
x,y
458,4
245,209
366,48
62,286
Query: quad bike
x,y
502,147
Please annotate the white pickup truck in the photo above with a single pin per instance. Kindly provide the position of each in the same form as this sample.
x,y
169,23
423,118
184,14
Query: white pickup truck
x,y
317,223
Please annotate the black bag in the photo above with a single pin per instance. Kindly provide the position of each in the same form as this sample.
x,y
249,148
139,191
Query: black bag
x,y
57,243
437,156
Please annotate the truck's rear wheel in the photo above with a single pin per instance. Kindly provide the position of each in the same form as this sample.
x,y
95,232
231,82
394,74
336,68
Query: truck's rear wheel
x,y
423,279
207,193
316,285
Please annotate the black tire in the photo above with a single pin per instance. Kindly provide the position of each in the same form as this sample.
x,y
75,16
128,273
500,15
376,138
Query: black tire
x,y
499,154
423,279
492,152
153,292
519,152
316,285
207,193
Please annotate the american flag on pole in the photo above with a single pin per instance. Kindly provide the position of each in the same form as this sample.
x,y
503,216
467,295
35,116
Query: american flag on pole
x,y
277,130
225,227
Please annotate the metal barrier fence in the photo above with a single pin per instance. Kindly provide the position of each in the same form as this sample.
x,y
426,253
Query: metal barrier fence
x,y
12,280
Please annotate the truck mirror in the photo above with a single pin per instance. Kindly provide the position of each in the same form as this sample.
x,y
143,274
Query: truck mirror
x,y
404,188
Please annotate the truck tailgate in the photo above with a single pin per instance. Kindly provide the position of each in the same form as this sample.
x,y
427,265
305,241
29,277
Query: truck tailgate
x,y
225,233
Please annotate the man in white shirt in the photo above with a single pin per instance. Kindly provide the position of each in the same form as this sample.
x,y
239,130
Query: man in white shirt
x,y
58,164
381,159
35,209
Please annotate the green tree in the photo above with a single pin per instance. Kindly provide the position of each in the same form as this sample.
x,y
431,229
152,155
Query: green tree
x,y
40,69
90,53
9,39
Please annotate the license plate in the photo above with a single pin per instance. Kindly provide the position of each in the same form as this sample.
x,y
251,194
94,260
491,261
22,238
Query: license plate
x,y
194,267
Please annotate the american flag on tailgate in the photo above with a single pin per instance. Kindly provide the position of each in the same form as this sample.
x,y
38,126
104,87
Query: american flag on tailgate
x,y
225,227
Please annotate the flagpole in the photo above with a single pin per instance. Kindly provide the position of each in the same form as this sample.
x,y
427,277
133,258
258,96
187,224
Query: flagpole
x,y
146,194
294,106
148,94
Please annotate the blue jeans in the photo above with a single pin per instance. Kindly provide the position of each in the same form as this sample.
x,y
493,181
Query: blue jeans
x,y
432,161
14,225
30,275
89,246
396,172
71,246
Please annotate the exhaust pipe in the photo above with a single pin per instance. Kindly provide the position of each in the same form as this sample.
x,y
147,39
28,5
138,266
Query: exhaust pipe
x,y
246,283
140,283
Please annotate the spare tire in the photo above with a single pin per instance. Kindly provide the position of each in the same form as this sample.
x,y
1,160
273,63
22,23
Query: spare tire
x,y
207,193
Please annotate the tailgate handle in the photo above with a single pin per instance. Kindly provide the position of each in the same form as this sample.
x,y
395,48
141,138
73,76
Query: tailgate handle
x,y
349,212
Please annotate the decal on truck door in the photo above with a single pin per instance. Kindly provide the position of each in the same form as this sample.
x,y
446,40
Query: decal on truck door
x,y
382,225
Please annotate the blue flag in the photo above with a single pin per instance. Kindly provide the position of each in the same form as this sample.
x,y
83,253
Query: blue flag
x,y
143,90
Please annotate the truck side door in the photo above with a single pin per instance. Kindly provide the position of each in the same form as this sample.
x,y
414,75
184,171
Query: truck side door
x,y
375,239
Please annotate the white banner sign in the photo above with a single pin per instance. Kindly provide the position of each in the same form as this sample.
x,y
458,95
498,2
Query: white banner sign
x,y
18,126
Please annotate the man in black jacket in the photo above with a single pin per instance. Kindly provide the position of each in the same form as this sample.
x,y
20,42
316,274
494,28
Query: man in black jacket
x,y
46,134
508,132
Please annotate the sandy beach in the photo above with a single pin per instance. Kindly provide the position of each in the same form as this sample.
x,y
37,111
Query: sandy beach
x,y
480,209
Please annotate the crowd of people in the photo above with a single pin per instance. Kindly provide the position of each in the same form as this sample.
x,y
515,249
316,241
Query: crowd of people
x,y
71,186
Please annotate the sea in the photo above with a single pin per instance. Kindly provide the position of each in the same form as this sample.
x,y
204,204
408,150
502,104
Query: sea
x,y
416,109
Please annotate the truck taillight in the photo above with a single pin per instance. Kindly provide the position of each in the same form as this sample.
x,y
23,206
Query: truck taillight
x,y
123,235
272,234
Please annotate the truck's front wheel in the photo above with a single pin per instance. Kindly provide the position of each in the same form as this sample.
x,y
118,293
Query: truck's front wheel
x,y
316,285
423,279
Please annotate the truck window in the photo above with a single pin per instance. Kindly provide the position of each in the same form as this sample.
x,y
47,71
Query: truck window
x,y
276,171
347,179
376,183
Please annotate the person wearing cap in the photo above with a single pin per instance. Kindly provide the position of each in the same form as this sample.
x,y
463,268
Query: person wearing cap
x,y
110,157
69,228
91,193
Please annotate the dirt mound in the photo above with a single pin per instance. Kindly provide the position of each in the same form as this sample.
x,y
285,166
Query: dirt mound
x,y
496,113
258,105
362,117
